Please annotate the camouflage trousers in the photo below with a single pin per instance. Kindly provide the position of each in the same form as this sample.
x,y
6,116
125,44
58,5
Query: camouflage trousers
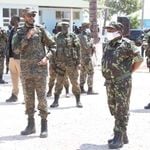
x,y
118,94
72,73
32,85
86,73
52,78
1,65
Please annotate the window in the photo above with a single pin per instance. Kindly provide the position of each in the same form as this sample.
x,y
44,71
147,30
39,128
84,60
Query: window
x,y
62,14
13,12
5,12
76,15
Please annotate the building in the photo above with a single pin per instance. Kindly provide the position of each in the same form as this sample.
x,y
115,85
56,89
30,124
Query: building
x,y
49,11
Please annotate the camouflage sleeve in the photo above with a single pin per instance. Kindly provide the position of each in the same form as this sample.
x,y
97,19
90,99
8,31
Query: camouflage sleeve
x,y
48,40
135,53
77,47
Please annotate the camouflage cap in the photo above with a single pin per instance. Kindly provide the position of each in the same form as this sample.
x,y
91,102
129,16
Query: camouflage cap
x,y
65,21
85,23
115,25
28,10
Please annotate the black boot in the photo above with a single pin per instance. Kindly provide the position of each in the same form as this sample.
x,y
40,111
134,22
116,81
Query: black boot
x,y
67,92
82,89
117,141
13,98
30,127
44,131
49,93
147,107
2,81
78,103
125,139
90,91
55,103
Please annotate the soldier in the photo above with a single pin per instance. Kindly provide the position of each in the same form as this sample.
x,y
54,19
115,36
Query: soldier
x,y
53,73
146,45
3,43
67,61
14,61
30,40
120,59
87,50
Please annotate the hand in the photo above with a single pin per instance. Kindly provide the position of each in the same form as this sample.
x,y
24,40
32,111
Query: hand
x,y
30,33
43,61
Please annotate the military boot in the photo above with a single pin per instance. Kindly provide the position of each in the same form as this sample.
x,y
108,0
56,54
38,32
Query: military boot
x,y
44,131
49,93
13,98
117,142
78,103
90,91
2,81
67,92
147,107
55,103
30,127
82,89
125,139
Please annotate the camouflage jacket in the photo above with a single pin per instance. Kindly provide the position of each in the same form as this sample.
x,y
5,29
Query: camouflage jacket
x,y
146,41
3,42
68,49
32,50
86,43
118,57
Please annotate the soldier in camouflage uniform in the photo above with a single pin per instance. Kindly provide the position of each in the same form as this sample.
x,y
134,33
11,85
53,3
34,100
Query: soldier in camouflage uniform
x,y
3,43
87,68
120,59
67,61
30,40
53,73
146,45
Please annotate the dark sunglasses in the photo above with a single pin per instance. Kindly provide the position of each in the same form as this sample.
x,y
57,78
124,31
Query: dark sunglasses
x,y
30,15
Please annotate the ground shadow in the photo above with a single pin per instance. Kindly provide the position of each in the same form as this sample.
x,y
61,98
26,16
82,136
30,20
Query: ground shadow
x,y
16,138
140,110
11,103
93,147
61,108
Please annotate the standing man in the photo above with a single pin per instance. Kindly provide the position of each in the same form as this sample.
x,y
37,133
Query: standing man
x,y
87,68
3,43
30,40
14,61
67,61
120,59
146,45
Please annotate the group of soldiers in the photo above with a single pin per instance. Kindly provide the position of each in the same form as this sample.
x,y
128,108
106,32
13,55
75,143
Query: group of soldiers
x,y
31,47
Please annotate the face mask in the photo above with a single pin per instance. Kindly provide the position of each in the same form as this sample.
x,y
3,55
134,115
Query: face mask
x,y
112,35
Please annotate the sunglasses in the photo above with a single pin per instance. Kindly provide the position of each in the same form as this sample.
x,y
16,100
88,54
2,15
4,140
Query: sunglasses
x,y
31,15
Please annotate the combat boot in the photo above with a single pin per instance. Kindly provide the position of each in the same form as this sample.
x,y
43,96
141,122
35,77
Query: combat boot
x,y
117,142
44,131
82,89
90,91
125,139
78,103
55,103
67,92
49,93
13,98
30,127
147,107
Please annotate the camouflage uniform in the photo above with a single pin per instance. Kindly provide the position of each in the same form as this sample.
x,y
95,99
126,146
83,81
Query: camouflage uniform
x,y
67,61
33,76
87,69
146,42
3,43
53,75
118,57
